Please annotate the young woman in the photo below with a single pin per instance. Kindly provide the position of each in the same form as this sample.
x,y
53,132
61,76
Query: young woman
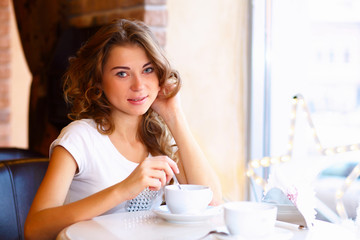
x,y
129,134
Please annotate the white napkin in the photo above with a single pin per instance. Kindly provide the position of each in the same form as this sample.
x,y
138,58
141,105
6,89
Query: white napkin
x,y
353,225
291,189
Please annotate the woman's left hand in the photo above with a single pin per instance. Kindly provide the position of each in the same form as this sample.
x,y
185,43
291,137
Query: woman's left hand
x,y
167,107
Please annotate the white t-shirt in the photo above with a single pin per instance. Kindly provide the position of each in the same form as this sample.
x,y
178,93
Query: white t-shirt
x,y
100,165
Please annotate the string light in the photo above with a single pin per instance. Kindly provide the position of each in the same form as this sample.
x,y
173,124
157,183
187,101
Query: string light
x,y
354,147
250,173
275,160
267,161
285,158
319,147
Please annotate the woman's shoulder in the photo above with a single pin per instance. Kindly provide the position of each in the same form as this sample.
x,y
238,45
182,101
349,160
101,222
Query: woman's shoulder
x,y
79,134
79,129
82,125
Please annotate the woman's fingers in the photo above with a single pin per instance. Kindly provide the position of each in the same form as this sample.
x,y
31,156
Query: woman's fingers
x,y
163,168
160,176
153,172
165,164
157,181
166,161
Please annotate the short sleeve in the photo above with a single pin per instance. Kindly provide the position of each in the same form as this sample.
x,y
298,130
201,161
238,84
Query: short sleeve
x,y
75,138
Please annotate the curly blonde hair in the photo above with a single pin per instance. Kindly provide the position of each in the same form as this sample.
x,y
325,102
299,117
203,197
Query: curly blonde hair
x,y
82,82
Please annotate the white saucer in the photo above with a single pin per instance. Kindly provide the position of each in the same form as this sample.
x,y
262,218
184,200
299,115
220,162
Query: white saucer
x,y
278,234
165,214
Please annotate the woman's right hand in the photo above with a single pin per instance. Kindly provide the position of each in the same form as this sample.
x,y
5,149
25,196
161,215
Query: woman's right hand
x,y
153,172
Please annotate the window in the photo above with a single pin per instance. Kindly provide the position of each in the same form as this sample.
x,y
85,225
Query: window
x,y
310,48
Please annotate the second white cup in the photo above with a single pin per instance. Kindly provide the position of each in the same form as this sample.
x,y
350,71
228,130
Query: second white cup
x,y
250,219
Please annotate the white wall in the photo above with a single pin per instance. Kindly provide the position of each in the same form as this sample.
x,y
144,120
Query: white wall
x,y
205,42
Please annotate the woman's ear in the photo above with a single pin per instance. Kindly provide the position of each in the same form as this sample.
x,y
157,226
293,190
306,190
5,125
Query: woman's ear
x,y
99,88
99,85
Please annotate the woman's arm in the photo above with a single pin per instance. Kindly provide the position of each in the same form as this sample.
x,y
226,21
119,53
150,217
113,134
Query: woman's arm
x,y
197,169
48,216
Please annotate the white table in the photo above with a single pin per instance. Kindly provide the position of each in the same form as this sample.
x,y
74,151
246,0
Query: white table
x,y
146,225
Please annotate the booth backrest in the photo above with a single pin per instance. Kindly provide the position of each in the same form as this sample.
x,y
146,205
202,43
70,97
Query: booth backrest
x,y
19,181
11,153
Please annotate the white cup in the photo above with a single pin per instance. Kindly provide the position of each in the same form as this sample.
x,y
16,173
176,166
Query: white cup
x,y
190,199
250,219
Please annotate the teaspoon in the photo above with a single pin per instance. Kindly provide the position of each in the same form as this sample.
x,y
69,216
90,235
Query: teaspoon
x,y
176,182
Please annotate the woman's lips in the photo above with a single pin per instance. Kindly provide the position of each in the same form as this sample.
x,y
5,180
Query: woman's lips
x,y
137,101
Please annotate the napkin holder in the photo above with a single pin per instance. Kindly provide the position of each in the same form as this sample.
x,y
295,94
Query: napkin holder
x,y
287,211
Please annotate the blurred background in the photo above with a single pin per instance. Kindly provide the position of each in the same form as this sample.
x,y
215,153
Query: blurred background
x,y
242,62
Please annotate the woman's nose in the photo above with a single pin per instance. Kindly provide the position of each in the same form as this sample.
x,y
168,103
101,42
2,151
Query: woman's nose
x,y
137,83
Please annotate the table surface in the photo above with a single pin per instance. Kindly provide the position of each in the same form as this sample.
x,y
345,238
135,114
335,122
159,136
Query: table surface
x,y
147,225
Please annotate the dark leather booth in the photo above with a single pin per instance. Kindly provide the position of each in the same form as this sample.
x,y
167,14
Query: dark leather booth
x,y
9,153
19,181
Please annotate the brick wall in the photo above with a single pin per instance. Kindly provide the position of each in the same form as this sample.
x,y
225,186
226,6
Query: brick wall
x,y
4,73
86,13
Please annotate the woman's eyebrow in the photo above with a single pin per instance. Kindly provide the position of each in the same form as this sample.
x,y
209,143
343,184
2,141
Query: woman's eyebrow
x,y
120,67
146,64
127,68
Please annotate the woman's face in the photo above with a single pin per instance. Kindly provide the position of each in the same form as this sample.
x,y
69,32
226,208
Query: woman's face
x,y
129,80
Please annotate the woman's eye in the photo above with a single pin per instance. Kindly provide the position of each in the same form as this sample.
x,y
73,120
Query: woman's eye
x,y
149,70
121,74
